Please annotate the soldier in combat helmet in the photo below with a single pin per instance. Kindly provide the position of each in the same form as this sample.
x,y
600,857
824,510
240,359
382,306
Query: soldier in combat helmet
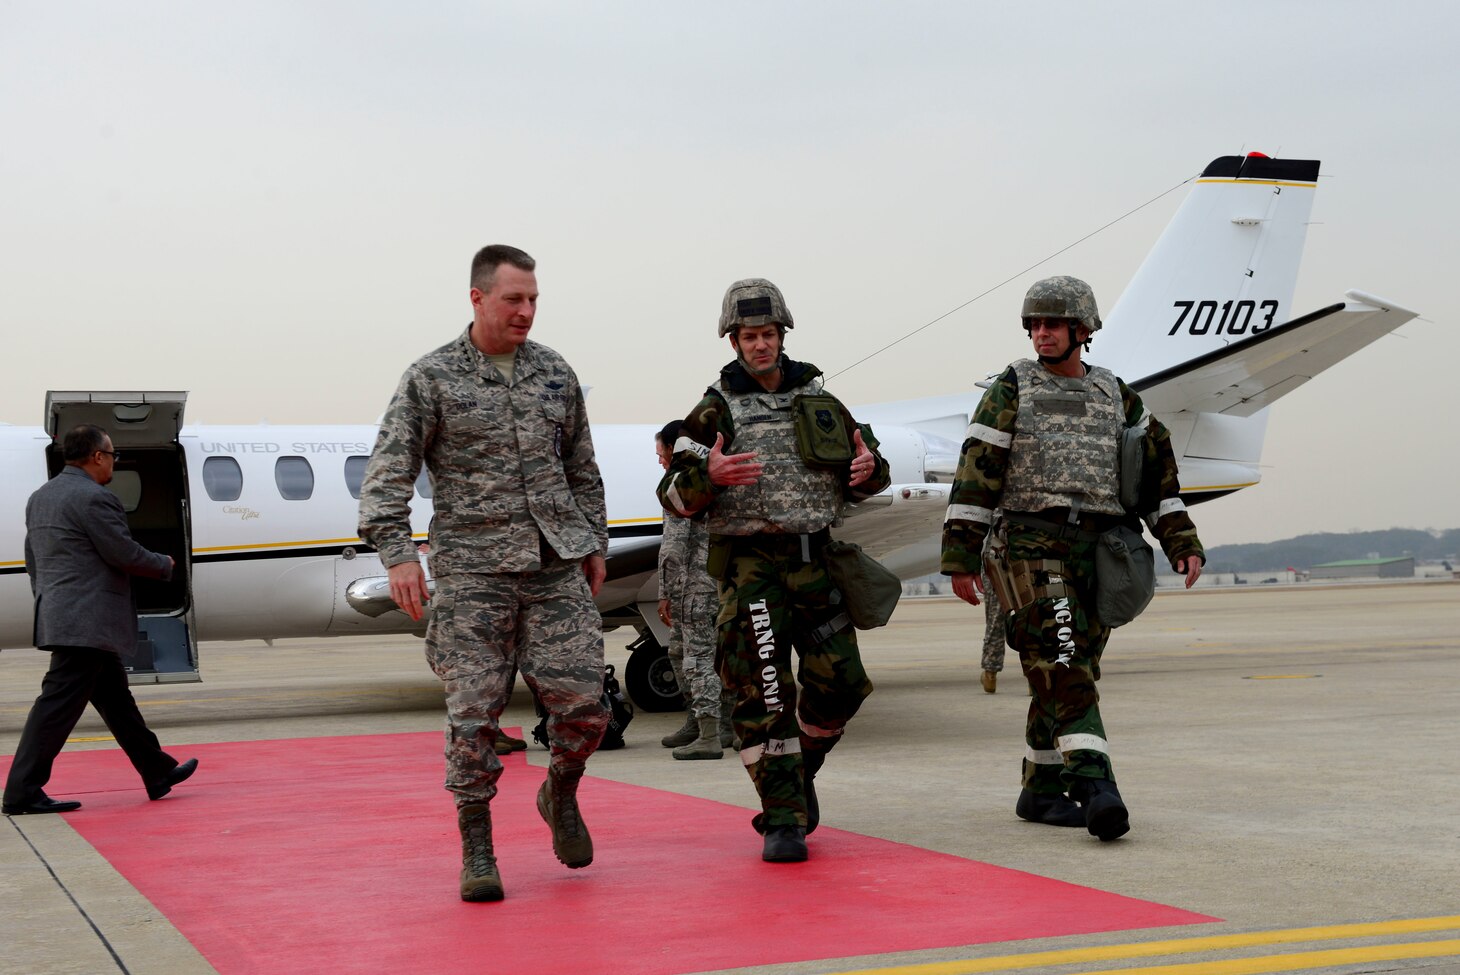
x,y
1042,449
517,550
798,457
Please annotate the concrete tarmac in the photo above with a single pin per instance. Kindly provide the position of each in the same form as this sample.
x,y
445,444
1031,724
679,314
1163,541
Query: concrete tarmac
x,y
1287,753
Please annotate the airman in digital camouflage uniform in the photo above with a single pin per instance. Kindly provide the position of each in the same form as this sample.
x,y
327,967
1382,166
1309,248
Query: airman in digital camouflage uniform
x,y
1042,447
518,541
689,600
768,511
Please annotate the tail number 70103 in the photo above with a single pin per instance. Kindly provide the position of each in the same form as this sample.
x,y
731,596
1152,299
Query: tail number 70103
x,y
1199,316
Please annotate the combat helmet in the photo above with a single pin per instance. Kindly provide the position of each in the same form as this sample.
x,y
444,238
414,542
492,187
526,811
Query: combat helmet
x,y
1061,297
753,301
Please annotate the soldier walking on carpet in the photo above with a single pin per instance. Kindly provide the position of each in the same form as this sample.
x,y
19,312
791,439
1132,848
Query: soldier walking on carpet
x,y
798,456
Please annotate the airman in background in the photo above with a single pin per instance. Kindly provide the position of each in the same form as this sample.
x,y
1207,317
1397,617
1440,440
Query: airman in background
x,y
688,602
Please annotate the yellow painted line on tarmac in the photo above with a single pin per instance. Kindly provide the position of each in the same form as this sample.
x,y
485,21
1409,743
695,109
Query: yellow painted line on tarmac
x,y
1177,946
78,741
1296,962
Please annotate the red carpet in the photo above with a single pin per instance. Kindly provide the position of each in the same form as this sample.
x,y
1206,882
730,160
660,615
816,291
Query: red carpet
x,y
336,855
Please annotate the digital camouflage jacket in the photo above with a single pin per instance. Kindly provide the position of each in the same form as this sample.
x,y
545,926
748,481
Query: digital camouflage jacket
x,y
509,464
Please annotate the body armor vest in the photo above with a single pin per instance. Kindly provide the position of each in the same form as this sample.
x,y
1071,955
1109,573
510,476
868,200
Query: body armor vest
x,y
789,497
1066,442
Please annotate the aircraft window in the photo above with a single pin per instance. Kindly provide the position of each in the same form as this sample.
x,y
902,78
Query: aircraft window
x,y
423,484
294,477
222,478
355,474
127,485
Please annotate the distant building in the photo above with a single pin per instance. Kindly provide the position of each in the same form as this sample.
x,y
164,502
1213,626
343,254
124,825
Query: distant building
x,y
1400,568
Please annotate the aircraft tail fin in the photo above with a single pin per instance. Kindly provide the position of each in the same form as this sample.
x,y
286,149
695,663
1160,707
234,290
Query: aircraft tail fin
x,y
1223,270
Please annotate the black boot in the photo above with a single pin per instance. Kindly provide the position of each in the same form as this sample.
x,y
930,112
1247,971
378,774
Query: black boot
x,y
480,880
1105,813
1051,810
557,802
811,763
784,844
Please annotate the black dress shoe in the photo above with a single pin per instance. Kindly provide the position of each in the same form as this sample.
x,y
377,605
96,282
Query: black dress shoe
x,y
45,804
179,773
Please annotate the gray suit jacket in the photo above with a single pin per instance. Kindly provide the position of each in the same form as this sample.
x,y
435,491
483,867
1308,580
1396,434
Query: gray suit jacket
x,y
80,555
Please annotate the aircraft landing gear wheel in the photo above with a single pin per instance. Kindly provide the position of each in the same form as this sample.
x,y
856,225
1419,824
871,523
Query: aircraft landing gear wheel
x,y
649,676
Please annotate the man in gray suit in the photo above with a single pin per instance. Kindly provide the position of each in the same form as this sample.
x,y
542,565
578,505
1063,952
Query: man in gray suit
x,y
79,554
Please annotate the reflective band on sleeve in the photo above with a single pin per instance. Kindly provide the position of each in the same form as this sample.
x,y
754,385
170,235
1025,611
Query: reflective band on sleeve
x,y
1043,757
676,500
969,512
1170,506
812,731
980,431
694,447
776,746
1083,743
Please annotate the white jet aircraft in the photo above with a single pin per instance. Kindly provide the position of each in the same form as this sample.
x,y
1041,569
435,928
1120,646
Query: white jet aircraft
x,y
261,519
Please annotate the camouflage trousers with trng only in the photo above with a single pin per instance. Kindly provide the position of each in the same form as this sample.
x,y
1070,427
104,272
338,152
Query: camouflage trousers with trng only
x,y
545,624
995,637
1059,642
692,651
771,601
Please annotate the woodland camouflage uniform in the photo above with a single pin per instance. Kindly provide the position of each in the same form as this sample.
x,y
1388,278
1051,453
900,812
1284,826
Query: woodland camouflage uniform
x,y
775,594
1059,646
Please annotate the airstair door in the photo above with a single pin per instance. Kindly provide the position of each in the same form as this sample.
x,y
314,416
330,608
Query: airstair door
x,y
151,479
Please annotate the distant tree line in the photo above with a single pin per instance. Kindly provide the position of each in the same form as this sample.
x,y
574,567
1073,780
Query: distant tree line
x,y
1306,551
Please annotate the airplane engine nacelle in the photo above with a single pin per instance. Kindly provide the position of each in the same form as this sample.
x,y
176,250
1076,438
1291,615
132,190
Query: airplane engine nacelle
x,y
917,457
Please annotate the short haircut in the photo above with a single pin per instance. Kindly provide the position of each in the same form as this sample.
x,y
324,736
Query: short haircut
x,y
484,265
82,441
669,433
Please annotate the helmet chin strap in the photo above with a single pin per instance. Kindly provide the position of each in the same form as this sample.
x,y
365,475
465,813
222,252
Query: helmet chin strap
x,y
1052,360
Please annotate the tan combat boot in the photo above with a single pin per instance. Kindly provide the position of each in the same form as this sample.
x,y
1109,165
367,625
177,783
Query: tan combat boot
x,y
687,732
506,744
480,880
557,802
990,680
707,745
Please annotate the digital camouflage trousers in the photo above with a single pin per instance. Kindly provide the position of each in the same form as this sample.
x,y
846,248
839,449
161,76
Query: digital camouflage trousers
x,y
692,651
1059,642
544,625
772,602
995,637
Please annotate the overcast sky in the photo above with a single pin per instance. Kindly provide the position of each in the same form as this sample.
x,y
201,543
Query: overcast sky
x,y
274,205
